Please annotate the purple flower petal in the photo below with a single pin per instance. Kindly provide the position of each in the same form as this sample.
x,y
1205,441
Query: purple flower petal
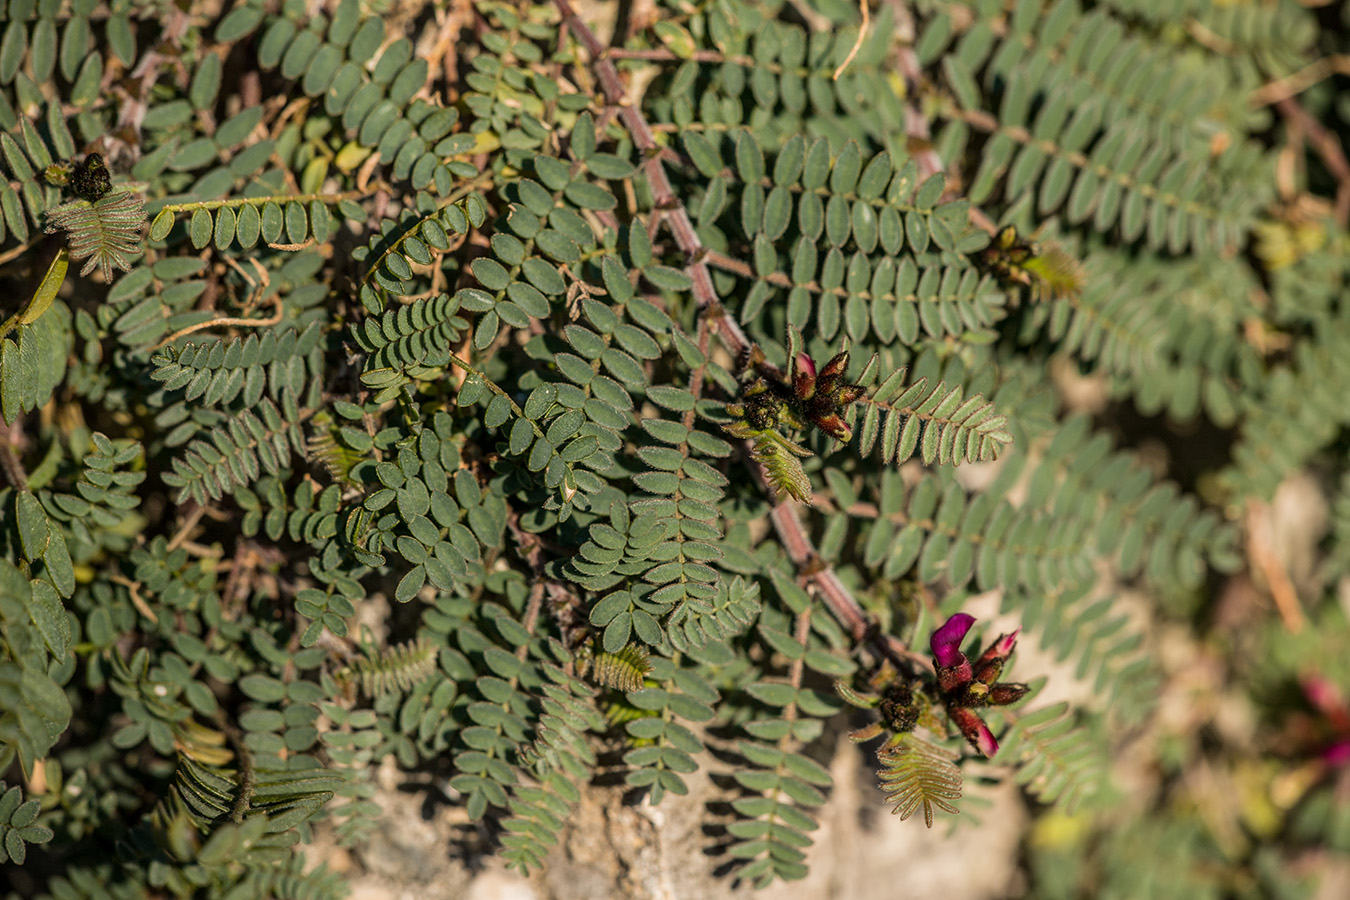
x,y
946,641
1338,754
806,364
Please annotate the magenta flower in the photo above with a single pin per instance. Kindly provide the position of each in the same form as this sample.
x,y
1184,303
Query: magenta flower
x,y
1322,694
966,687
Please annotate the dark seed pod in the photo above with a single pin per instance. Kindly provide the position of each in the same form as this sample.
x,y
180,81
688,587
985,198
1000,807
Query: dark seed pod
x,y
90,179
898,708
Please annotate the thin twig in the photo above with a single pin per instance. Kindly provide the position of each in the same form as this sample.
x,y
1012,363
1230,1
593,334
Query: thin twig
x,y
800,634
189,522
661,54
278,199
459,193
223,322
858,42
531,616
832,591
16,252
1328,147
1262,554
1300,81
134,590
294,248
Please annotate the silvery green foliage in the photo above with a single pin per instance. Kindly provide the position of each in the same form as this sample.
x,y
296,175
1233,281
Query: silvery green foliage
x,y
453,350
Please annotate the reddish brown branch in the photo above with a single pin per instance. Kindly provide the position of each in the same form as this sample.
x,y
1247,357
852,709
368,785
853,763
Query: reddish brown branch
x,y
841,603
676,216
661,54
785,518
803,555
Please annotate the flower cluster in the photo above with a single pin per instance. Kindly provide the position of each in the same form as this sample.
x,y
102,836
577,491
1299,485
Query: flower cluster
x,y
806,397
966,687
823,398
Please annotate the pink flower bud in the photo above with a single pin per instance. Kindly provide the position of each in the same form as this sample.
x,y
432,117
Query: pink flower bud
x,y
834,369
834,425
1004,693
1321,693
849,393
975,731
1001,648
804,386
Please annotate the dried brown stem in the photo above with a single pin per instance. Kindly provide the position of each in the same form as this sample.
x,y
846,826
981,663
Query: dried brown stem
x,y
1261,551
858,41
225,321
661,54
532,608
1328,147
16,252
1300,81
134,591
194,515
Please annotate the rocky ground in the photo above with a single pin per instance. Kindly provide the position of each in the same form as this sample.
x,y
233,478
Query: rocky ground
x,y
614,849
